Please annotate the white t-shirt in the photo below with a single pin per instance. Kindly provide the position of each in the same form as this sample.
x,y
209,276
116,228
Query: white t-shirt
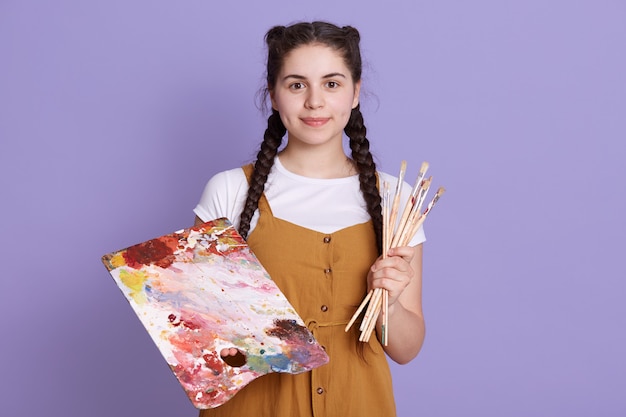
x,y
323,205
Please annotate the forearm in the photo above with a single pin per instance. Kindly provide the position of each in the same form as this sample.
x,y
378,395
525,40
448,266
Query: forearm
x,y
405,333
401,274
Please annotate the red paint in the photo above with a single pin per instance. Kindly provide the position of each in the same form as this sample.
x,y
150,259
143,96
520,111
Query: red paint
x,y
188,323
158,252
214,362
172,319
211,394
186,374
191,325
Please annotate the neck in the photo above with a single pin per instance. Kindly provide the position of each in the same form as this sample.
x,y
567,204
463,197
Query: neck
x,y
317,163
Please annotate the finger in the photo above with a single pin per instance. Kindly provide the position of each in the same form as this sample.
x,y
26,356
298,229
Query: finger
x,y
391,280
228,352
394,262
405,252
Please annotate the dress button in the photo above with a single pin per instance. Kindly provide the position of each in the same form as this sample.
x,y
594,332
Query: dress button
x,y
327,239
320,390
324,308
327,271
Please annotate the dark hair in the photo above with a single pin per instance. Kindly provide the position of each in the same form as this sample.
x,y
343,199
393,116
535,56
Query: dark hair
x,y
280,41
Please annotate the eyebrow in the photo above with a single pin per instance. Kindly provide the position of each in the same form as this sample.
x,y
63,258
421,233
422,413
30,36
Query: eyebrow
x,y
302,77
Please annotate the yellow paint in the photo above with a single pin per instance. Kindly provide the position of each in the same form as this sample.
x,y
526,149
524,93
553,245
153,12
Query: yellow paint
x,y
117,260
134,280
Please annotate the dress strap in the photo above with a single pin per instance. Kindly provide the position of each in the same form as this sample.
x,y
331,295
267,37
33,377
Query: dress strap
x,y
263,203
248,169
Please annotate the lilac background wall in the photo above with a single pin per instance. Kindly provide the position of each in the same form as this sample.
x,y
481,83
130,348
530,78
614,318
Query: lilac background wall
x,y
114,114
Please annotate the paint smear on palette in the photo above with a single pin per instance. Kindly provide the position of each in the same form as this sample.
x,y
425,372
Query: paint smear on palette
x,y
201,289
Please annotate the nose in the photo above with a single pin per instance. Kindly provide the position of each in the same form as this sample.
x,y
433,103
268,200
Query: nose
x,y
315,99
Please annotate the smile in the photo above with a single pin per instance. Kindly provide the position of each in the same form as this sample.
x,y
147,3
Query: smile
x,y
315,121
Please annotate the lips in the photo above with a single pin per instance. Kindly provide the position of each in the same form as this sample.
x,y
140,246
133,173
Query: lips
x,y
315,121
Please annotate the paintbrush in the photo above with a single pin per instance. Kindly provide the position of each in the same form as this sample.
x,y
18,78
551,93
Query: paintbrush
x,y
396,200
377,300
430,206
409,204
406,235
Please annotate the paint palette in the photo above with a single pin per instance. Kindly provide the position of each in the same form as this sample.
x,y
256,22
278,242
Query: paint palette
x,y
200,290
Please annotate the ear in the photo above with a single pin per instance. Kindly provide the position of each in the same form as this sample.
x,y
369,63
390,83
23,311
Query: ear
x,y
357,94
272,100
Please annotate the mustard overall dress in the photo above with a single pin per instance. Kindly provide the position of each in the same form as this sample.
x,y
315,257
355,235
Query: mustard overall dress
x,y
324,277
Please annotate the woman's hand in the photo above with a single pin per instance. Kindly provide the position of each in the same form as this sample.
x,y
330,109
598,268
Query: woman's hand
x,y
400,273
393,273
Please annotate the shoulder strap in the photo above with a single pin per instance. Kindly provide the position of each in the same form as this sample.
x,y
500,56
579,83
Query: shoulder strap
x,y
263,203
248,169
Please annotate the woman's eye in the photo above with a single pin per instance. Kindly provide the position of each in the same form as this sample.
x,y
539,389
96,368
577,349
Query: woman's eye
x,y
297,86
332,84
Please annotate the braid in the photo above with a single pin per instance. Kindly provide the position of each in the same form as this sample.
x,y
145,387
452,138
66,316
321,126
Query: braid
x,y
265,160
356,131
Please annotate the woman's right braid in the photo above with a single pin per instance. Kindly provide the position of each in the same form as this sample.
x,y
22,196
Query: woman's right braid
x,y
272,139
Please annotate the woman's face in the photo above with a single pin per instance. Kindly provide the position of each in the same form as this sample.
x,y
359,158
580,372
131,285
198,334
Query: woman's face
x,y
315,95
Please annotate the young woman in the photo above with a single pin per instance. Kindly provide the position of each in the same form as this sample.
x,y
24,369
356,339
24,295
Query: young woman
x,y
312,216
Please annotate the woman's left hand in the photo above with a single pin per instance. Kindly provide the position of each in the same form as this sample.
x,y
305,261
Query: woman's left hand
x,y
393,273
